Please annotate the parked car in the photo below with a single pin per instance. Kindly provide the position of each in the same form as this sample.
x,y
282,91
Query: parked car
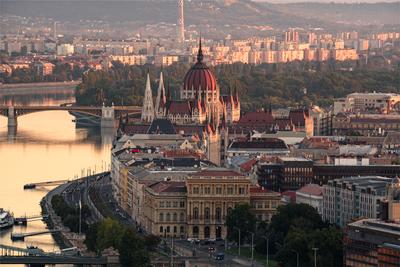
x,y
220,256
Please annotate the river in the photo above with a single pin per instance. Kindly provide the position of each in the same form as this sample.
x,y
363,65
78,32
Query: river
x,y
46,146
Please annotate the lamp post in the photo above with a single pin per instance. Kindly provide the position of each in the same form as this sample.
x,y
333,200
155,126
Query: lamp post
x,y
239,239
252,249
267,239
297,257
315,256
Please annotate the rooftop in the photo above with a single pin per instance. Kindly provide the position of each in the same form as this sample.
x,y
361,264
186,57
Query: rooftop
x,y
311,189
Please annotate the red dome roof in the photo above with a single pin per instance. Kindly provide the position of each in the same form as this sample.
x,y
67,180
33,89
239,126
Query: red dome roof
x,y
199,76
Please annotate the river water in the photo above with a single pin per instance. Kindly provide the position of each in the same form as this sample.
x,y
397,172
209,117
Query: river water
x,y
46,146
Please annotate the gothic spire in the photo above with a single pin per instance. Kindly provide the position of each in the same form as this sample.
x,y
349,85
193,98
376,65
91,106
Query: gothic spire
x,y
160,93
200,53
148,107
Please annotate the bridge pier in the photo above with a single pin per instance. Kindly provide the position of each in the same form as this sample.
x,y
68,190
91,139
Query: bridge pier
x,y
12,118
107,117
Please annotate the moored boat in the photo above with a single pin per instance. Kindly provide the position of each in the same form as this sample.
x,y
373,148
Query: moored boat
x,y
6,219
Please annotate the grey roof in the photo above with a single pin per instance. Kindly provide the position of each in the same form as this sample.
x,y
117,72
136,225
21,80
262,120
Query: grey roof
x,y
161,126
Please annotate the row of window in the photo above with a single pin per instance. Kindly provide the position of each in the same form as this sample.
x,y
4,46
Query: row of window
x,y
218,213
174,229
174,217
266,205
218,190
169,204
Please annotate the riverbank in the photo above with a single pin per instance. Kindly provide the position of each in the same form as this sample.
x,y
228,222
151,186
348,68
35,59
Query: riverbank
x,y
40,84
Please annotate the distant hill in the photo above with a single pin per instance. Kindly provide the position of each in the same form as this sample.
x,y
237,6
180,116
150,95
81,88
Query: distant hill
x,y
350,13
228,16
217,13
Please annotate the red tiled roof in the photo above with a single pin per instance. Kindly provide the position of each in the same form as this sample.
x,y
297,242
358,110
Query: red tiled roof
x,y
259,190
291,195
311,189
257,117
179,107
168,187
298,116
248,164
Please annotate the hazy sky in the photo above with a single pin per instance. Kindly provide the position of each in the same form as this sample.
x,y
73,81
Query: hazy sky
x,y
326,1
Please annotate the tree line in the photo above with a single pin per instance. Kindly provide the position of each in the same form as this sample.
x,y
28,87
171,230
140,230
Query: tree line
x,y
133,249
283,85
295,228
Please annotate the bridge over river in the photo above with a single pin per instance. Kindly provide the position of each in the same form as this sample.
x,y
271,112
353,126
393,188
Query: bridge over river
x,y
37,257
108,115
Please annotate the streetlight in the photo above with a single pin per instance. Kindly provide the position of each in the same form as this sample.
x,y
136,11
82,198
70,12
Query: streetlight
x,y
239,238
252,249
297,258
315,256
267,238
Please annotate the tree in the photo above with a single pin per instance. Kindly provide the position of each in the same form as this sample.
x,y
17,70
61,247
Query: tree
x,y
109,234
297,228
241,218
132,250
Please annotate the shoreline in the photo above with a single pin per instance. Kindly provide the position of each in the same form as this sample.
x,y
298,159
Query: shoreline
x,y
4,86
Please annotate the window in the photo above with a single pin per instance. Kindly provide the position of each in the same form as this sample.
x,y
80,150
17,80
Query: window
x,y
207,213
168,204
196,213
168,217
168,229
175,217
242,190
195,190
175,229
218,214
175,204
218,191
230,190
182,229
182,204
229,210
161,204
161,217
207,190
182,217
161,229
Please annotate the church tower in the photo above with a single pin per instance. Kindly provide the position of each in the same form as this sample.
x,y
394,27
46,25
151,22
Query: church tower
x,y
161,98
148,108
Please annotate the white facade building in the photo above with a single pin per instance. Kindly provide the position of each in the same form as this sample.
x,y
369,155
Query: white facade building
x,y
311,194
353,197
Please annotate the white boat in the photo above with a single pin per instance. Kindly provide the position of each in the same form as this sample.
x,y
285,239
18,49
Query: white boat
x,y
6,219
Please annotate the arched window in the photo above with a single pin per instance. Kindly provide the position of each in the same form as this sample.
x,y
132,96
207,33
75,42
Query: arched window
x,y
207,213
161,217
218,213
196,213
229,210
168,217
195,231
175,217
182,217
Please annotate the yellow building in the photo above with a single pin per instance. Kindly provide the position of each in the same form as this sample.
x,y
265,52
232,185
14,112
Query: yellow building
x,y
198,206
211,194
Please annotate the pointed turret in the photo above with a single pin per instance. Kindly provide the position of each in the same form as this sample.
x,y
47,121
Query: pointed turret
x,y
200,53
148,107
160,101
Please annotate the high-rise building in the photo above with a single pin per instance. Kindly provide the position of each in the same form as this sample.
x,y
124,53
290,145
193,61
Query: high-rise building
x,y
181,23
